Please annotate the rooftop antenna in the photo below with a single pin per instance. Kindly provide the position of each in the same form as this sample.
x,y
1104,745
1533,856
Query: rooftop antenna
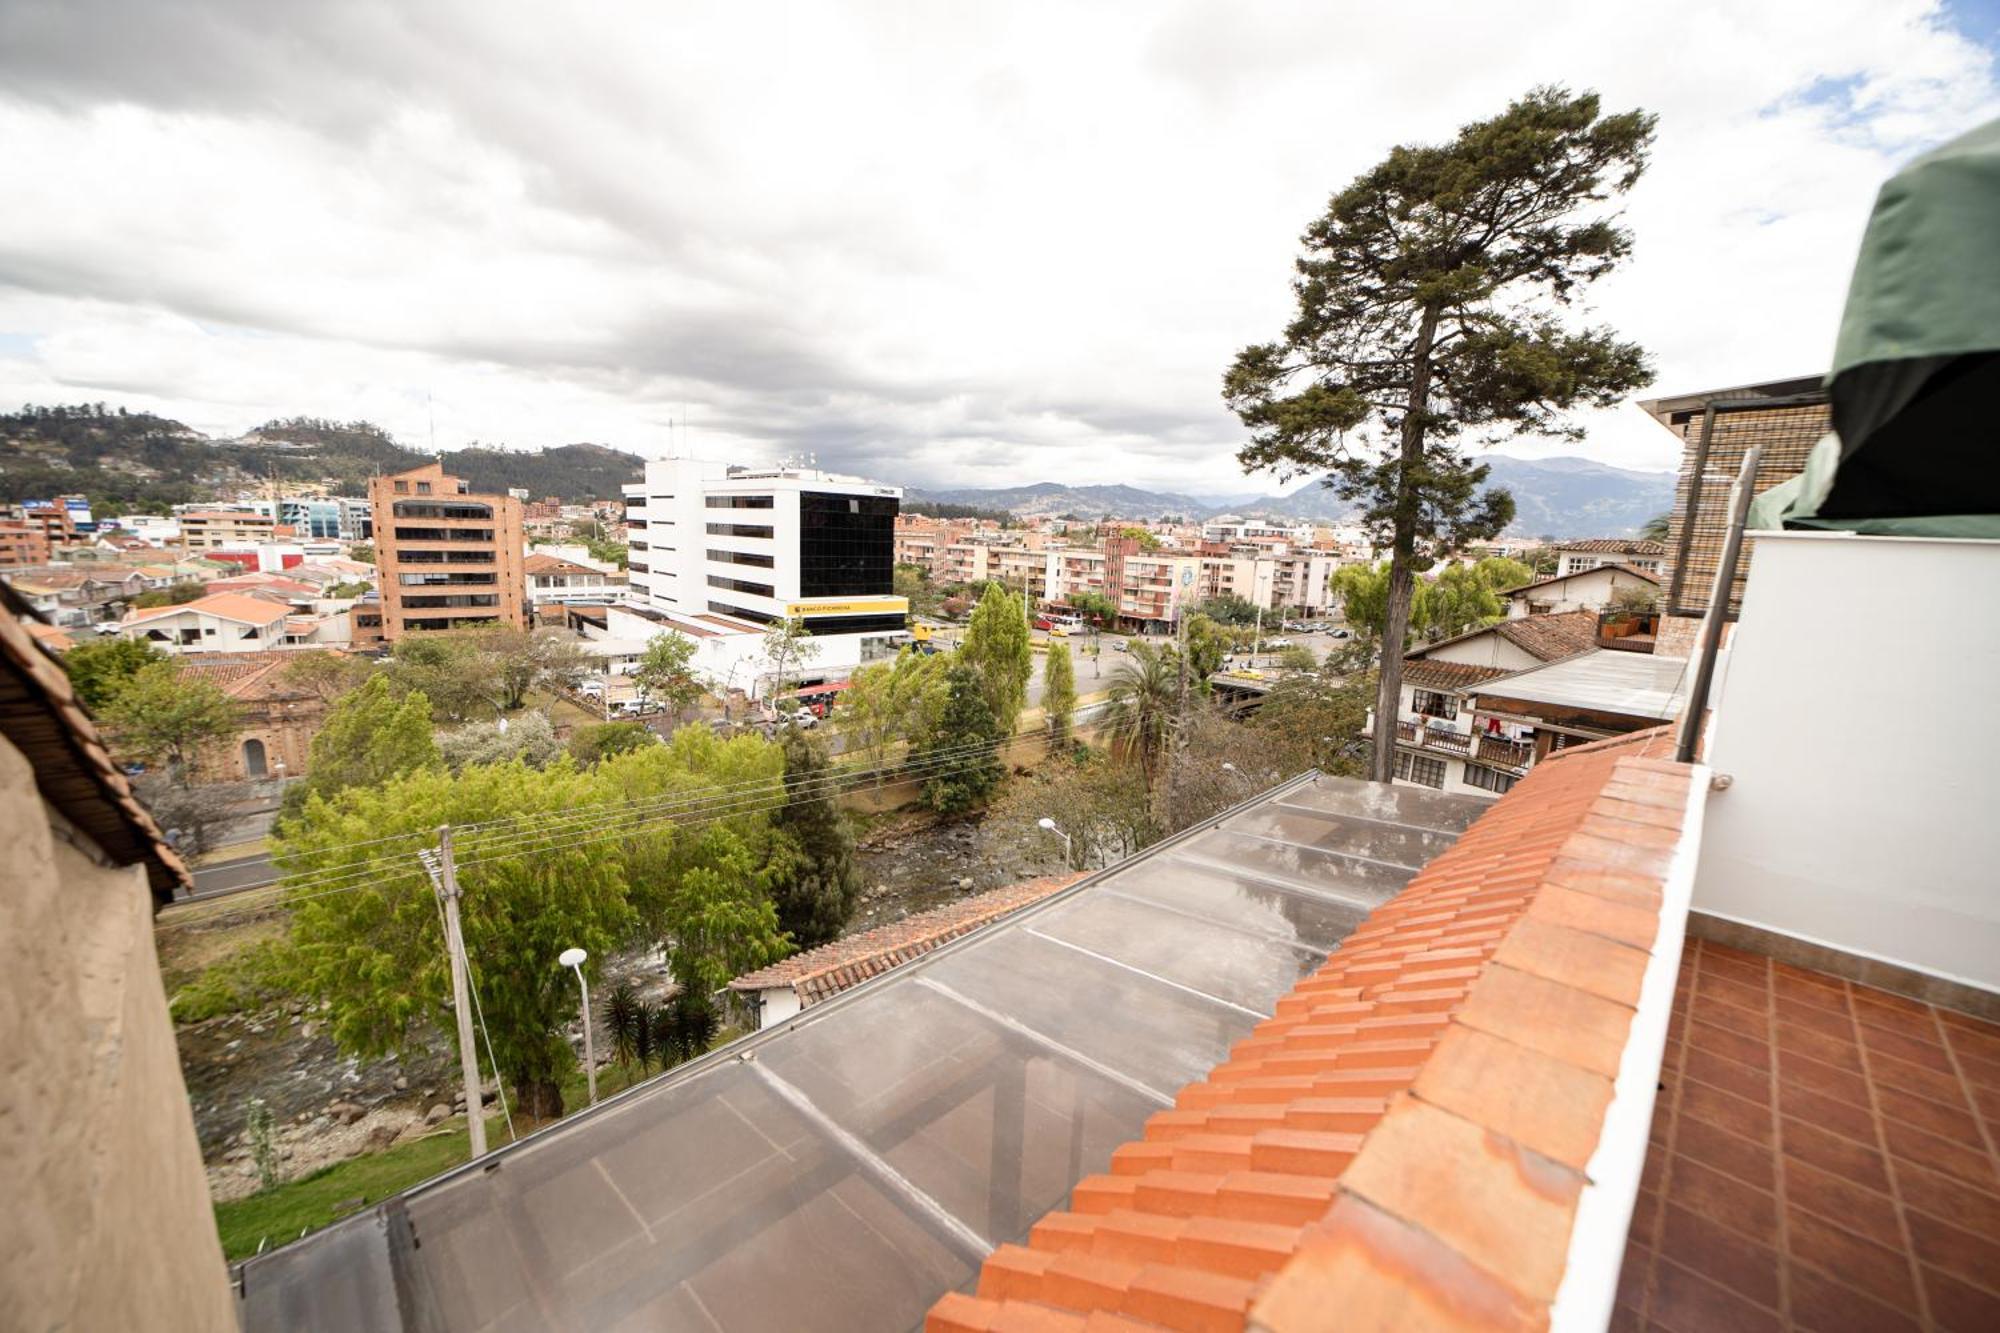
x,y
431,412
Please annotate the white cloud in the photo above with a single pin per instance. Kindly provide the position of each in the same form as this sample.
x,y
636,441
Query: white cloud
x,y
977,244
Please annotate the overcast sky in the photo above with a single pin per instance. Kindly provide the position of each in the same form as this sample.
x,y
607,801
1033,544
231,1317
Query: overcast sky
x,y
935,243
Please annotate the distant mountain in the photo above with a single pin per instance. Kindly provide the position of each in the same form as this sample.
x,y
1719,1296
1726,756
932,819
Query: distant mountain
x,y
136,461
1556,497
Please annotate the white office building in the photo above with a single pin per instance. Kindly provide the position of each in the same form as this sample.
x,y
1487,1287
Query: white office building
x,y
762,545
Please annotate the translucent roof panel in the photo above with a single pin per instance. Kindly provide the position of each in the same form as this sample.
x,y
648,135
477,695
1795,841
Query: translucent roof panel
x,y
844,1169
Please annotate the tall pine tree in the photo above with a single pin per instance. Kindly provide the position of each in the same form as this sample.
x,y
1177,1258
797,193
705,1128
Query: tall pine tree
x,y
1429,300
810,871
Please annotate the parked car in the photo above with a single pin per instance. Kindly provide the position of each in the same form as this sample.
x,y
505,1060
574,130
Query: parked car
x,y
1342,632
1118,645
805,719
592,688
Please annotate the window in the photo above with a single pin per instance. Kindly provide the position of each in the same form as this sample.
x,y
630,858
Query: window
x,y
429,579
444,534
847,545
1489,779
1420,768
740,558
410,509
423,488
402,488
741,585
743,613
740,502
452,599
444,557
1433,703
740,530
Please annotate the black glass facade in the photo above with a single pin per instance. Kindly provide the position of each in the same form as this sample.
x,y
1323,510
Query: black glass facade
x,y
847,546
854,624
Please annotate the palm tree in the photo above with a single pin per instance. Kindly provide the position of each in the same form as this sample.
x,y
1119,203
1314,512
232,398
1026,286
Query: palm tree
x,y
623,1019
1654,529
1144,696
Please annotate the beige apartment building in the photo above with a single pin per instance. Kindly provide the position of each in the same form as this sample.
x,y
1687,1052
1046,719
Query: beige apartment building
x,y
448,558
225,529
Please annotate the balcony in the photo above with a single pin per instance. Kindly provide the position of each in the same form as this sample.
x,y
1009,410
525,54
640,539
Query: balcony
x,y
1437,738
1627,631
1504,754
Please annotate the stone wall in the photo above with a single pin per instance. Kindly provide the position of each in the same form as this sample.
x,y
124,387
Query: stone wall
x,y
107,1223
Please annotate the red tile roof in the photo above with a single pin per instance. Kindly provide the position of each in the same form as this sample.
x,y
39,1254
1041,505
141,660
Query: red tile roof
x,y
540,562
820,974
1553,637
1438,675
1402,1143
238,606
1616,546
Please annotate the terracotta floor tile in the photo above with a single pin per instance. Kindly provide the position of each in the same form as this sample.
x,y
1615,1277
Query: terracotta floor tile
x,y
1722,1199
1971,1258
1875,1269
1724,955
1960,1306
1836,1153
1955,1022
1753,1049
1821,1305
1818,1076
1687,1303
1645,1218
1918,1024
1929,1054
1720,986
1720,1255
1926,1149
1987,1102
1856,1122
1886,999
1819,1018
1946,1197
1937,1118
1819,1046
1981,1073
1634,1274
1732,1154
1920,1079
1971,1041
1735,1017
1738,1115
1731,1076
1816,988
1837,1199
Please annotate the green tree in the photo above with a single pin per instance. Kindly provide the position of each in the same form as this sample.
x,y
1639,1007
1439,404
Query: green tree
x,y
1458,600
892,702
1656,528
530,738
997,646
1229,609
1058,692
1148,539
1296,657
516,661
1363,591
1104,807
99,669
376,955
914,583
326,675
178,594
1502,574
1144,699
363,552
963,752
458,681
1426,309
1095,607
1207,643
160,715
810,872
665,672
787,650
1319,718
601,740
720,923
370,737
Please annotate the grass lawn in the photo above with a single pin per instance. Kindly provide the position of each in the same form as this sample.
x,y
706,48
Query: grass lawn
x,y
281,1213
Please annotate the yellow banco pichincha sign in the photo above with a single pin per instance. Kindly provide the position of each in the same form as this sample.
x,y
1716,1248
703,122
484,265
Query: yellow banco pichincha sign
x,y
871,606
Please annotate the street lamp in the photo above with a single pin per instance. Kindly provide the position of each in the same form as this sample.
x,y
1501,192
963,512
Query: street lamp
x,y
1069,848
574,959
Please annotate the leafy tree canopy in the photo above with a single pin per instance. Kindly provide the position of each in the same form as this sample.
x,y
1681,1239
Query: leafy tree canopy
x,y
161,715
99,668
998,647
1429,309
1058,691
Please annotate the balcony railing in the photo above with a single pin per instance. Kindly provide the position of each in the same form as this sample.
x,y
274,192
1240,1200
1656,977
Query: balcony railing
x,y
1507,754
1434,738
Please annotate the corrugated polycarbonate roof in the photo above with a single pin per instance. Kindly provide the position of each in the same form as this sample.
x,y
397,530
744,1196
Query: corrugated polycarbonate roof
x,y
844,1170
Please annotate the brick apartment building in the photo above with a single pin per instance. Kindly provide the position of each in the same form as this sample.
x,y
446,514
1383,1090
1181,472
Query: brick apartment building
x,y
448,558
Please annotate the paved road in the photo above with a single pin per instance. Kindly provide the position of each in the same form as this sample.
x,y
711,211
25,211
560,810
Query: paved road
x,y
221,878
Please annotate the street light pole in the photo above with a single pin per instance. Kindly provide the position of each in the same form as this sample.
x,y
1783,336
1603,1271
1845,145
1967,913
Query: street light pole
x,y
1069,848
574,959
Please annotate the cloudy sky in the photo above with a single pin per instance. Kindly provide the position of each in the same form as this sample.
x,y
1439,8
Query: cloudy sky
x,y
934,243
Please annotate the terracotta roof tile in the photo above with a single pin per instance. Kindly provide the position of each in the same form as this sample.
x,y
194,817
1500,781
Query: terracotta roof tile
x,y
1551,638
1432,674
239,606
820,974
1638,546
1404,1140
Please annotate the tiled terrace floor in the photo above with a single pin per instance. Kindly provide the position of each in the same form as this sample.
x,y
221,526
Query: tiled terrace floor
x,y
1823,1158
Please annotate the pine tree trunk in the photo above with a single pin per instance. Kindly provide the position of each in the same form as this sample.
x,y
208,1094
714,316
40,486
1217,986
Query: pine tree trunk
x,y
1402,557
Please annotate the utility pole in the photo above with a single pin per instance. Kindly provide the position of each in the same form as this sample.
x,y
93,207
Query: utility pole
x,y
461,991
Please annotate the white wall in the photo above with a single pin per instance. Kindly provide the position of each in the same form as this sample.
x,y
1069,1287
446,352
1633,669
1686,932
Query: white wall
x,y
1857,732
